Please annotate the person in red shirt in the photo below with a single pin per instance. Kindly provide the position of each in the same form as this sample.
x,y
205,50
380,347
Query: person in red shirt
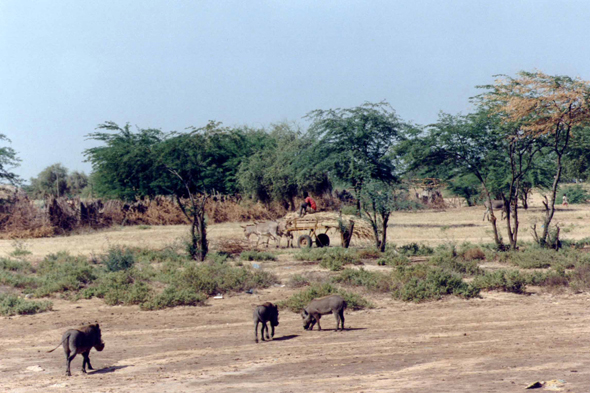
x,y
308,203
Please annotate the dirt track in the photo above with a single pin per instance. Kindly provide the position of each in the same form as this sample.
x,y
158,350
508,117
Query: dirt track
x,y
496,344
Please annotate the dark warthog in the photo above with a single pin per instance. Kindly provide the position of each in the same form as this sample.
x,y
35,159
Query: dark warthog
x,y
325,305
264,313
81,340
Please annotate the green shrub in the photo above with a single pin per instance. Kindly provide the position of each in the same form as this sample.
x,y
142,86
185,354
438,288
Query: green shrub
x,y
173,297
62,272
504,280
372,281
537,258
13,305
211,279
430,284
118,258
394,260
580,278
456,265
18,280
415,249
298,301
257,256
298,281
575,194
333,258
121,287
15,265
218,257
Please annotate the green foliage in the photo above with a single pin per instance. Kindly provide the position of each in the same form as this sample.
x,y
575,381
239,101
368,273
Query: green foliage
x,y
575,194
173,297
13,305
415,249
373,281
504,280
62,272
56,181
298,301
538,258
420,283
120,287
333,258
356,143
118,258
298,281
257,256
283,168
8,161
392,259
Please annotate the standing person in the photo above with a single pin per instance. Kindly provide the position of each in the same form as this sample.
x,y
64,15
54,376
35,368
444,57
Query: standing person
x,y
564,200
308,203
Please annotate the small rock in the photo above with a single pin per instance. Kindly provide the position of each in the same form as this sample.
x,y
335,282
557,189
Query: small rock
x,y
35,368
256,266
219,296
535,385
28,296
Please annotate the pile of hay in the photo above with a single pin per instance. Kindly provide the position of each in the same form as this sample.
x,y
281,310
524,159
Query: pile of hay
x,y
362,229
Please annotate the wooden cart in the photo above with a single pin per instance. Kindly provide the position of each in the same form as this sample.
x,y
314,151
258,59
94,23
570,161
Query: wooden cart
x,y
315,231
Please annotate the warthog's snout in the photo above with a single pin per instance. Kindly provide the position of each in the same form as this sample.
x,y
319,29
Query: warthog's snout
x,y
99,347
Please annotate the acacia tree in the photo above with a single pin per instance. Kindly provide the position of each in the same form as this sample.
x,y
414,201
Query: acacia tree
x,y
150,162
378,201
548,108
356,144
8,161
459,147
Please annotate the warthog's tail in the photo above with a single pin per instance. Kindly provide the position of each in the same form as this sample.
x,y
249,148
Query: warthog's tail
x,y
62,341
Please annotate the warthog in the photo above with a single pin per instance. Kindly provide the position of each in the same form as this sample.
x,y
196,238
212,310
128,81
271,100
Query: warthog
x,y
325,305
270,229
496,204
81,340
264,313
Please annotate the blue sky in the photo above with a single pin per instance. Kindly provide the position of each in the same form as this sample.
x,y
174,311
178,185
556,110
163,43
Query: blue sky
x,y
67,66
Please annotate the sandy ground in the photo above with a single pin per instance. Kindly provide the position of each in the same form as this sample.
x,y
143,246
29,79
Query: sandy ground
x,y
499,343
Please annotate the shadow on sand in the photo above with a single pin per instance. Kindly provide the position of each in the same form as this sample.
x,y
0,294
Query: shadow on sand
x,y
105,370
285,338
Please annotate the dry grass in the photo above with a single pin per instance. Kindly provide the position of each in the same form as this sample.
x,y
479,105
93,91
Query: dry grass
x,y
429,227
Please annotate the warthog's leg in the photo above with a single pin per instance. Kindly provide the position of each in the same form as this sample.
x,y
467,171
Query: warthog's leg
x,y
341,317
266,327
317,318
69,359
272,331
256,332
86,362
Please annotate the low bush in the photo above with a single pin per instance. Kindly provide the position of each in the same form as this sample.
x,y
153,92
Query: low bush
x,y
14,265
393,260
415,249
14,305
332,258
62,272
298,301
257,256
503,280
539,258
429,283
373,281
173,297
118,258
120,287
297,281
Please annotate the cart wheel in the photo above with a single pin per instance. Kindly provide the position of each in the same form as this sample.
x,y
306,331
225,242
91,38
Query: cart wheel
x,y
304,241
322,240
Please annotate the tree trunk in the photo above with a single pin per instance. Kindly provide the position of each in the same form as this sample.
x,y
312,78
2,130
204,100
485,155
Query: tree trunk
x,y
385,218
346,235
